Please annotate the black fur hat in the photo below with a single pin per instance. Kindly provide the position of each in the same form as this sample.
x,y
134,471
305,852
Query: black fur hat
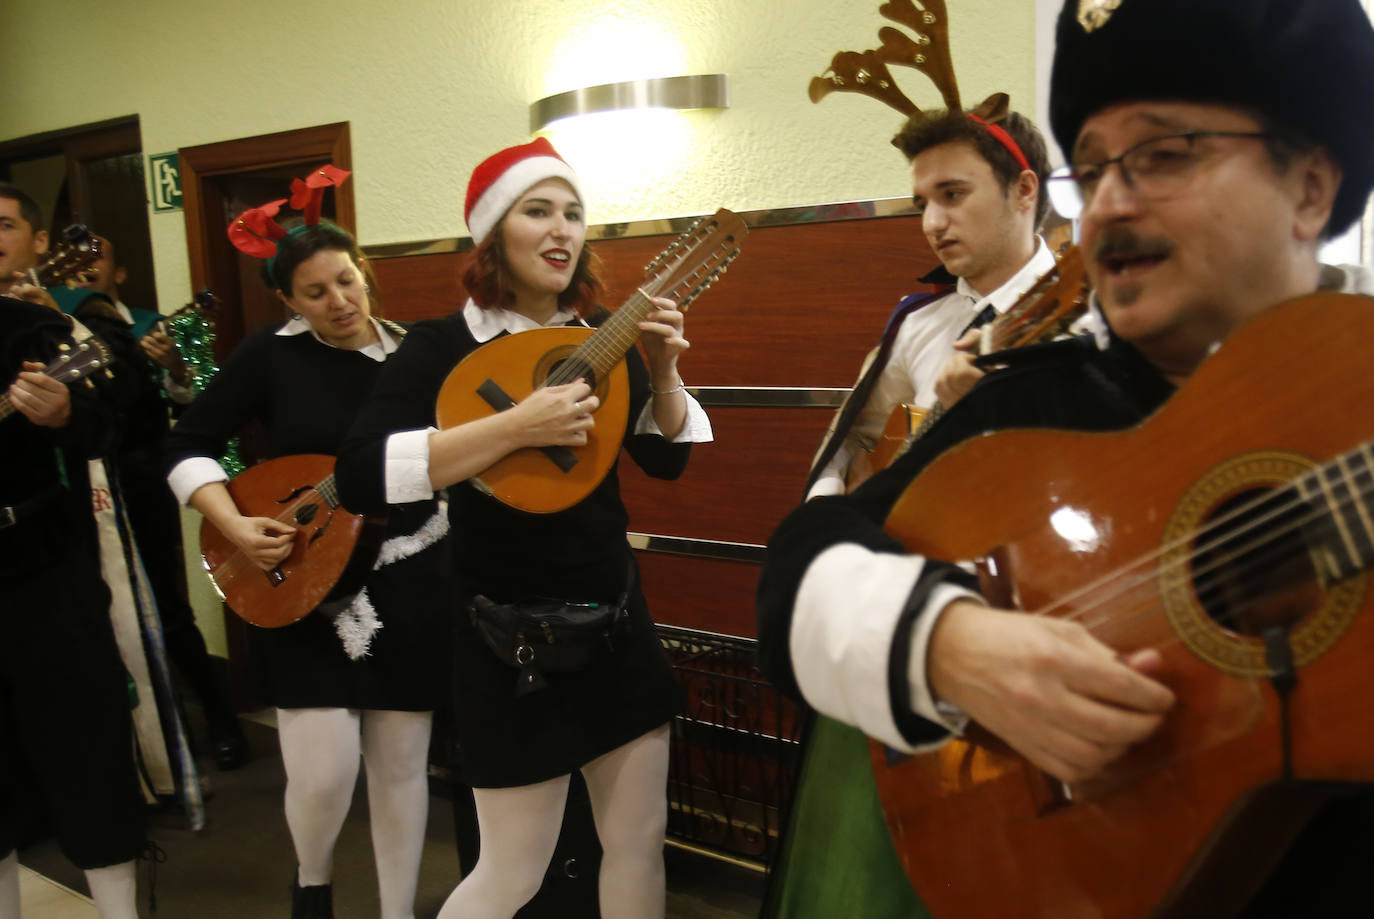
x,y
1308,65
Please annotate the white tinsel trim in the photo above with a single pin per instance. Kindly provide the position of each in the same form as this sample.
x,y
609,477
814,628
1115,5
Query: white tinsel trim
x,y
399,547
356,626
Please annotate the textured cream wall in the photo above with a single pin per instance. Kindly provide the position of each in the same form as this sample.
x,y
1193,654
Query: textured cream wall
x,y
429,87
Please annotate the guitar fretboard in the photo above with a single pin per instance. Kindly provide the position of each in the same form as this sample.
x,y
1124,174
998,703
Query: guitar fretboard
x,y
1340,529
685,269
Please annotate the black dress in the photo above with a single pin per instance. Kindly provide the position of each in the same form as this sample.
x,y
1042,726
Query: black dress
x,y
305,393
579,554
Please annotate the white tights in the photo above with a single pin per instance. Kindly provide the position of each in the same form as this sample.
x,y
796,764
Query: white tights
x,y
113,889
519,830
320,748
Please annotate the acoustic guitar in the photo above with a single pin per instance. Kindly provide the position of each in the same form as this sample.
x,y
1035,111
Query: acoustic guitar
x,y
1233,531
1040,314
72,254
333,551
75,361
507,369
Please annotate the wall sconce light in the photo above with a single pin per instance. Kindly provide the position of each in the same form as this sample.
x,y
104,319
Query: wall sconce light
x,y
708,90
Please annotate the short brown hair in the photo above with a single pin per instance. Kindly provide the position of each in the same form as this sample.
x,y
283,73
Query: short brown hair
x,y
931,129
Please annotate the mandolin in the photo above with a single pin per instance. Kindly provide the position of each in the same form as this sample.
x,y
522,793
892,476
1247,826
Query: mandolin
x,y
505,370
75,361
334,550
1044,312
1233,530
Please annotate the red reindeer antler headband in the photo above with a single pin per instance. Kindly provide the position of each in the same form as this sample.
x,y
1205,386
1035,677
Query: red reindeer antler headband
x,y
256,232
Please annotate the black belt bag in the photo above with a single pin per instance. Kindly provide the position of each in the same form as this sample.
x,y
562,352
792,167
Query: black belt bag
x,y
548,636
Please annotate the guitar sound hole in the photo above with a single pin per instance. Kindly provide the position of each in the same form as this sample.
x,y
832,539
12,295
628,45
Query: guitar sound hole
x,y
568,370
1251,568
306,513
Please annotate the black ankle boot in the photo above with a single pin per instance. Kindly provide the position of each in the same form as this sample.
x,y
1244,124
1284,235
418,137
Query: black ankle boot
x,y
311,902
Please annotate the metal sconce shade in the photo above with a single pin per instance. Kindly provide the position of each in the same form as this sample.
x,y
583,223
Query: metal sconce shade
x,y
708,90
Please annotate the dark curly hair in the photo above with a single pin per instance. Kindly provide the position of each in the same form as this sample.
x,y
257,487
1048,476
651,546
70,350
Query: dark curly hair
x,y
487,278
931,129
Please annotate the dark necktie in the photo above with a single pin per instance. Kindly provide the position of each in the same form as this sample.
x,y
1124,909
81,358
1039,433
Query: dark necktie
x,y
985,315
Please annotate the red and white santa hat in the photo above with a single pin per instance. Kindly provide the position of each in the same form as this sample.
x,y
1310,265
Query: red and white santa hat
x,y
500,180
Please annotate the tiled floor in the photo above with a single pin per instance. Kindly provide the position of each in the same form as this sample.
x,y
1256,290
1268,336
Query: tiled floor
x,y
45,899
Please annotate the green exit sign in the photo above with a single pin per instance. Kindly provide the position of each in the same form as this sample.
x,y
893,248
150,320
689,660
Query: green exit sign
x,y
164,174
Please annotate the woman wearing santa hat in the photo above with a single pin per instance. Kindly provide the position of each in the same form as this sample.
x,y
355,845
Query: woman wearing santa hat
x,y
364,680
531,270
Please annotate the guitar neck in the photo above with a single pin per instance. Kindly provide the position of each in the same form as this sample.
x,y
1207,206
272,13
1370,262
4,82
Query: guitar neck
x,y
610,343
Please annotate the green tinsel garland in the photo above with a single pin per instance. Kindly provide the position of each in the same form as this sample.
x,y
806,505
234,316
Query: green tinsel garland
x,y
194,337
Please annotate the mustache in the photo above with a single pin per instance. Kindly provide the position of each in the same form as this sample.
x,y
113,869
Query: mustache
x,y
1121,244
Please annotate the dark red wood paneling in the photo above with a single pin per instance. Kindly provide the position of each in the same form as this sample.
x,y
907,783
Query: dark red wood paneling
x,y
700,593
735,489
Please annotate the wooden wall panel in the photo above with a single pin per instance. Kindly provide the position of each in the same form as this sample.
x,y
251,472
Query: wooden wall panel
x,y
735,489
700,593
419,286
800,306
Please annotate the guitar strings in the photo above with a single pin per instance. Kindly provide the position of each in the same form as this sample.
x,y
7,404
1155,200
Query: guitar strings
x,y
618,334
1118,586
235,562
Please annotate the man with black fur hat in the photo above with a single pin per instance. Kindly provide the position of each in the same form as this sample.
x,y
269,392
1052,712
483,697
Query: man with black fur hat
x,y
1213,146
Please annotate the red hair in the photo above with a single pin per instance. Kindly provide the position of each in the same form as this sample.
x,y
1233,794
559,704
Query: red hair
x,y
487,278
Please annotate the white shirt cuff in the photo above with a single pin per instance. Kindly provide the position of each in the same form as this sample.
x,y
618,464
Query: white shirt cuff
x,y
831,481
193,472
407,466
843,621
696,429
923,700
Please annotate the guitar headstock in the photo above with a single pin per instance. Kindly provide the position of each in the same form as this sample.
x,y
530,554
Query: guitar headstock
x,y
1047,309
694,260
204,305
79,360
77,250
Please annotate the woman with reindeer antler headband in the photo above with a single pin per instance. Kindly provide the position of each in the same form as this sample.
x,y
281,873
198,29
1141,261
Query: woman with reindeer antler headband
x,y
598,701
364,679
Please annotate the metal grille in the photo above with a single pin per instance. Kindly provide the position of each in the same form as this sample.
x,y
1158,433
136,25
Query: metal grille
x,y
734,748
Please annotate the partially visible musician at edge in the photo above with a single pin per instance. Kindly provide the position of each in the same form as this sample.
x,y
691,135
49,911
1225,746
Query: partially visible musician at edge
x,y
66,736
367,680
1213,146
531,270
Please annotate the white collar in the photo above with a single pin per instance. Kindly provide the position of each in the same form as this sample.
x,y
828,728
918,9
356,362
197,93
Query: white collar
x,y
1016,286
486,324
378,352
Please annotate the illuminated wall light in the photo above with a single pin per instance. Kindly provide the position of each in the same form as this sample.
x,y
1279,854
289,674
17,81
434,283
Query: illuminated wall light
x,y
697,91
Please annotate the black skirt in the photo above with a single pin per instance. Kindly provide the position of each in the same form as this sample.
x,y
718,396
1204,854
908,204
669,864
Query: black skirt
x,y
304,665
506,741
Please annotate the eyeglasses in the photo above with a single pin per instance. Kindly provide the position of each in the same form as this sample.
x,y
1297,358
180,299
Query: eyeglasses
x,y
1153,169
